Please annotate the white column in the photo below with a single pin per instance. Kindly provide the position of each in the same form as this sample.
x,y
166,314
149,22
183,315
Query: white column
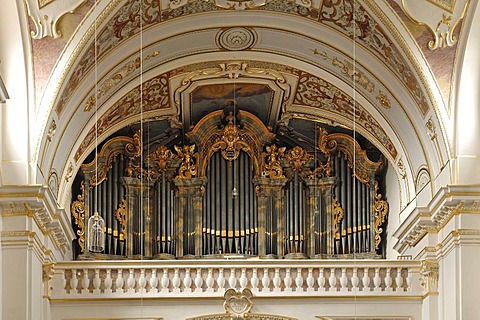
x,y
467,107
15,70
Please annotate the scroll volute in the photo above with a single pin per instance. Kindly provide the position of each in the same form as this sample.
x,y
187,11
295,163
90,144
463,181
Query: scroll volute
x,y
230,134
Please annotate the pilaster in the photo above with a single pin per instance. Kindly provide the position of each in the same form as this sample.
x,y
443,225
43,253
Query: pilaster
x,y
35,233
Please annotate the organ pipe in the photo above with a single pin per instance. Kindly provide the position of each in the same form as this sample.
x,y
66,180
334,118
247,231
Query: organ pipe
x,y
185,205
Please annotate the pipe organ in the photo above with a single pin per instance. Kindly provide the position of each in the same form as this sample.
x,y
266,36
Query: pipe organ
x,y
233,191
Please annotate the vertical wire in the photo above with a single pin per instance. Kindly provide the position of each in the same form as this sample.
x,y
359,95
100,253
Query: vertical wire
x,y
96,108
142,222
354,204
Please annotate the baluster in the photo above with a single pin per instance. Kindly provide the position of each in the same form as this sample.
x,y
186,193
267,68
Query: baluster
x,y
243,278
254,281
131,282
332,280
409,280
265,281
377,281
388,281
142,281
277,281
176,282
310,280
366,280
187,281
198,281
85,281
119,282
221,281
165,281
287,280
96,282
74,282
299,281
108,282
232,281
210,281
321,281
355,280
399,280
344,280
153,281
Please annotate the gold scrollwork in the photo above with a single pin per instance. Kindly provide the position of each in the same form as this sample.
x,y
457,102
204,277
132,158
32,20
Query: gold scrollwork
x,y
121,216
298,157
338,215
78,212
273,168
134,148
159,160
380,213
188,168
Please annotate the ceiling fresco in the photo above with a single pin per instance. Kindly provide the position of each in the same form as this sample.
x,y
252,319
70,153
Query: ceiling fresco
x,y
363,64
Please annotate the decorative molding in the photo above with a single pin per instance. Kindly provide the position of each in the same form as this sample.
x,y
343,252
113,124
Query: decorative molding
x,y
40,204
449,202
429,274
233,70
51,131
127,69
440,16
45,15
236,39
448,5
380,213
244,4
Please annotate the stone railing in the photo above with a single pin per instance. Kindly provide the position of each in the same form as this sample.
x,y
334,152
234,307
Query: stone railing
x,y
210,278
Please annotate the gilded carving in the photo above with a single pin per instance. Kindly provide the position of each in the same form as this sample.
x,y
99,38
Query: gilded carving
x,y
401,169
188,168
380,213
273,168
161,158
78,212
364,169
134,148
431,130
69,173
317,93
238,305
298,157
121,216
383,99
51,131
429,276
338,215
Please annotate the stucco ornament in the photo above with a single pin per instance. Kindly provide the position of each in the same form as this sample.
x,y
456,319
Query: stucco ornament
x,y
45,15
440,16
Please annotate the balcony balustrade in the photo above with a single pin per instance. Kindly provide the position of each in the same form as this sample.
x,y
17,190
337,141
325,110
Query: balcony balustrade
x,y
210,278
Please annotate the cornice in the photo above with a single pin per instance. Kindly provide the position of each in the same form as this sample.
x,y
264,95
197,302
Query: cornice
x,y
38,202
449,201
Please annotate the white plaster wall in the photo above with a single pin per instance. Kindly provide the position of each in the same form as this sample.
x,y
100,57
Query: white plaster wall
x,y
301,308
15,126
467,109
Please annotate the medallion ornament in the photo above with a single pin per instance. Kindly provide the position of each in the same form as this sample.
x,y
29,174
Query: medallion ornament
x,y
237,38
